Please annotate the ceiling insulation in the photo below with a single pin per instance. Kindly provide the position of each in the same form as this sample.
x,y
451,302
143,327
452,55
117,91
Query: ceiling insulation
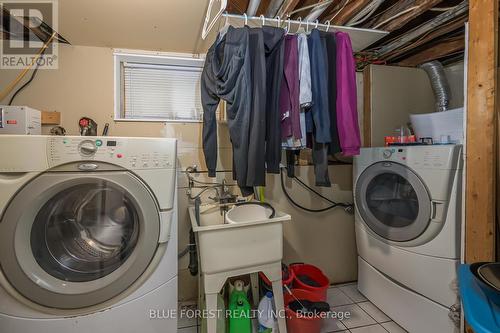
x,y
420,30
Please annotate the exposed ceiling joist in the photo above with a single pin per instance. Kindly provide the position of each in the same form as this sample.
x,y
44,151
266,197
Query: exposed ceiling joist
x,y
445,48
403,12
237,6
424,28
348,12
287,7
414,24
432,35
273,7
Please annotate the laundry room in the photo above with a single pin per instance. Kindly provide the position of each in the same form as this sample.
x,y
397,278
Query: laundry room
x,y
301,166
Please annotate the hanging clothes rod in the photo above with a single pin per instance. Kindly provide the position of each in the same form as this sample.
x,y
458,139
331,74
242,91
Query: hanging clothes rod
x,y
279,22
361,38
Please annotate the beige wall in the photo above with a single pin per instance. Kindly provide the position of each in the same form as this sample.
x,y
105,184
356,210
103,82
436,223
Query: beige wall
x,y
396,92
325,239
83,86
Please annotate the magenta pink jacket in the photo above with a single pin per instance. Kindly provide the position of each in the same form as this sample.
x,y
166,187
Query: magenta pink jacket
x,y
347,109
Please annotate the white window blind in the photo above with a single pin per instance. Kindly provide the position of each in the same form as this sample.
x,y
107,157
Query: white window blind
x,y
161,92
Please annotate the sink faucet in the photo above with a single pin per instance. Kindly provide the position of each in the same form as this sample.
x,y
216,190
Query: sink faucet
x,y
224,196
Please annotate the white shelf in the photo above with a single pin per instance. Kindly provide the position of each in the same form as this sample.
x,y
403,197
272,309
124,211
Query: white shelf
x,y
360,38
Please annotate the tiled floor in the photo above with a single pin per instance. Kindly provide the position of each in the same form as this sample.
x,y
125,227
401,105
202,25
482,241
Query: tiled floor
x,y
364,316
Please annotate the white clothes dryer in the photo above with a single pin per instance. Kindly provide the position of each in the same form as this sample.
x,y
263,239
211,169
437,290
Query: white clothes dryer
x,y
408,221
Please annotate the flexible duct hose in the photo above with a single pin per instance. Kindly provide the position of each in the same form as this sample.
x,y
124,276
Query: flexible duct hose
x,y
439,83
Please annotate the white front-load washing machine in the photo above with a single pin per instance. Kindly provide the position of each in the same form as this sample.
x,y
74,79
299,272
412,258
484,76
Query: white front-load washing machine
x,y
88,234
408,222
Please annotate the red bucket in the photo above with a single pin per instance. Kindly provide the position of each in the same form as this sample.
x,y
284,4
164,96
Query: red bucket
x,y
287,280
314,274
302,324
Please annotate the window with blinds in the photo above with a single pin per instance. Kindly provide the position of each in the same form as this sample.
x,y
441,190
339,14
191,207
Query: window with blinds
x,y
164,89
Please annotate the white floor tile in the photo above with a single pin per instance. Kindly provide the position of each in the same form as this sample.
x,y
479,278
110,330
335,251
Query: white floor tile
x,y
374,312
352,292
188,330
336,297
392,327
369,329
332,325
357,317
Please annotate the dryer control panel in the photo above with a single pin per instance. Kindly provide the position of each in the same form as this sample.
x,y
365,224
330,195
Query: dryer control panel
x,y
136,153
417,157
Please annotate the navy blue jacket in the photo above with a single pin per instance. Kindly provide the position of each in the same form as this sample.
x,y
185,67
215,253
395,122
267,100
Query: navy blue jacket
x,y
319,115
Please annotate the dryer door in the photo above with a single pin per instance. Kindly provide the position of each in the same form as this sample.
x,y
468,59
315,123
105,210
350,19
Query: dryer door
x,y
393,201
70,240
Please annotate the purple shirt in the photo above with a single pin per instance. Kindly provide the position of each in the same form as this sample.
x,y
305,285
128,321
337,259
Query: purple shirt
x,y
289,92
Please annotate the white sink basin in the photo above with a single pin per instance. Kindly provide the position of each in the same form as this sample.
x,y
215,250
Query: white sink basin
x,y
251,239
248,213
210,216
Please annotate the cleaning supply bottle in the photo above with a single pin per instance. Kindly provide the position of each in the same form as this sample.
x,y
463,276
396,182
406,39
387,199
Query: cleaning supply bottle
x,y
267,314
239,311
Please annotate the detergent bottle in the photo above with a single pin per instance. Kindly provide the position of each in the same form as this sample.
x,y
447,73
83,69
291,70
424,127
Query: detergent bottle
x,y
239,310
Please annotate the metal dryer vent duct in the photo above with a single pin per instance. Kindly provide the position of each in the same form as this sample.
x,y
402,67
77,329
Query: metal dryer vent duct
x,y
439,83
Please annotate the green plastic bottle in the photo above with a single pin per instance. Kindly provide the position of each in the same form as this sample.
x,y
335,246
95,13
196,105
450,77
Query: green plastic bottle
x,y
239,313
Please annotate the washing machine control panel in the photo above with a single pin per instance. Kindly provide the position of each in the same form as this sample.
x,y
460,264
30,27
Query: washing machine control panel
x,y
87,148
433,157
136,153
393,154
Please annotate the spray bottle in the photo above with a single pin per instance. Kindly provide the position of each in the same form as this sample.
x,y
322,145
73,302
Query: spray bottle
x,y
239,310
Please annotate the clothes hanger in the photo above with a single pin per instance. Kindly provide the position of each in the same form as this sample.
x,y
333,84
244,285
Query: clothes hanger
x,y
224,29
246,18
288,26
327,25
300,29
263,20
317,23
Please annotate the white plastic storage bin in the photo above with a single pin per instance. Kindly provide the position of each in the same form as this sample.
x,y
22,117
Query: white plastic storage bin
x,y
438,125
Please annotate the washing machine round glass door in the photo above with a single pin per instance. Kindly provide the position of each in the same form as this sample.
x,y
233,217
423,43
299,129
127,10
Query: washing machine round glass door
x,y
71,240
393,201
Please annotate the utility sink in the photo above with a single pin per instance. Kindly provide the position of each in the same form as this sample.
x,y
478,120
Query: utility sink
x,y
247,235
250,212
